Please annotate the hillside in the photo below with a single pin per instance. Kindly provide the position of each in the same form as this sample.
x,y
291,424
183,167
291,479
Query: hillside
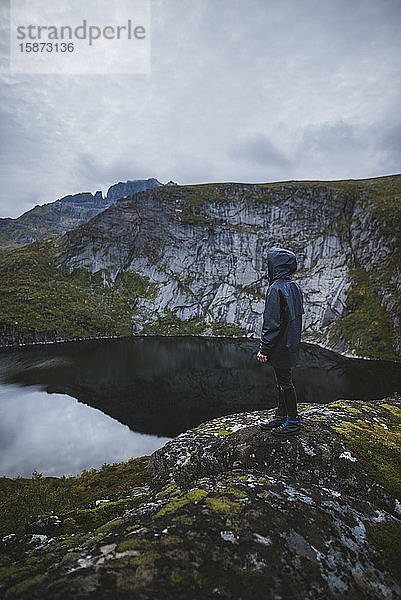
x,y
191,259
55,218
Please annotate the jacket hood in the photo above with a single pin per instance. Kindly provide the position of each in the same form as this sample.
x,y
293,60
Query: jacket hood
x,y
281,264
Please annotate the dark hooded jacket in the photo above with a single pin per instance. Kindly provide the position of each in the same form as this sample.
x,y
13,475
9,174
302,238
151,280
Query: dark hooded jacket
x,y
282,318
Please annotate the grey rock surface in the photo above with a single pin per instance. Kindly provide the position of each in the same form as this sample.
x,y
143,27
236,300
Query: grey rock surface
x,y
232,512
125,188
205,247
65,213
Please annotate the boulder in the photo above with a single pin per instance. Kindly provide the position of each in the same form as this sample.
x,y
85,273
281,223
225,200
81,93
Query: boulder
x,y
234,512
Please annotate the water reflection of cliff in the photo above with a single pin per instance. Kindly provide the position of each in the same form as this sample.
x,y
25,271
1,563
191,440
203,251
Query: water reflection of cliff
x,y
166,385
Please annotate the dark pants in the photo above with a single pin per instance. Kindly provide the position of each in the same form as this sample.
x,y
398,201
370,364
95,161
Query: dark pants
x,y
287,396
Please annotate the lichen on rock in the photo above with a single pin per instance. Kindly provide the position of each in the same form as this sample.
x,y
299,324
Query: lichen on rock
x,y
241,515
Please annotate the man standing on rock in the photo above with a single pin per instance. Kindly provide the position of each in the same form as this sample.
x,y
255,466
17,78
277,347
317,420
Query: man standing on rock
x,y
281,337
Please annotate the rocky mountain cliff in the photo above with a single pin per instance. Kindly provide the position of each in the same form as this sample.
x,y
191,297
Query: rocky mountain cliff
x,y
121,189
191,260
203,248
231,512
65,213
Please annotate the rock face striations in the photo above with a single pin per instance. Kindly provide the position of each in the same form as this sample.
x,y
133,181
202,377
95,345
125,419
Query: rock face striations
x,y
204,248
232,512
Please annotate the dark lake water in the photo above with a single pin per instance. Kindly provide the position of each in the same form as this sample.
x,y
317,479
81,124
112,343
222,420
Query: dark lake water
x,y
75,405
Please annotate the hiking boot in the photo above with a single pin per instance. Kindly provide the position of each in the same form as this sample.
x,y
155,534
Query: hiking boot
x,y
280,414
275,422
290,427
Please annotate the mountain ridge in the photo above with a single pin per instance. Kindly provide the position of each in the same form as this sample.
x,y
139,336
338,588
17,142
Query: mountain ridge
x,y
191,259
55,218
204,247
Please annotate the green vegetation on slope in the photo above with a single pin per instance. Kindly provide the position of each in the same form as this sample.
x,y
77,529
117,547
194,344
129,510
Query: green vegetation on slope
x,y
382,197
171,324
21,499
367,327
39,301
37,297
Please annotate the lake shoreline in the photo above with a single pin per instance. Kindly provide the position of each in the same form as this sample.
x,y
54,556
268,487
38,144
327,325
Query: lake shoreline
x,y
44,342
109,399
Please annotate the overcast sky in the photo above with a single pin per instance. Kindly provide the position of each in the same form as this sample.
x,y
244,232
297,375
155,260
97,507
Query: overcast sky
x,y
239,90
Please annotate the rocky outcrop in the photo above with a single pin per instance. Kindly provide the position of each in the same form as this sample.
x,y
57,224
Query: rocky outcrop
x,y
51,219
204,247
232,512
126,188
68,212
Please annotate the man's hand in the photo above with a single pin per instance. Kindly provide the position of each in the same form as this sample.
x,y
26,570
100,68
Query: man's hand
x,y
261,357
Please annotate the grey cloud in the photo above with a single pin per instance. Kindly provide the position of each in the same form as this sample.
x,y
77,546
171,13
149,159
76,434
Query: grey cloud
x,y
4,34
324,151
389,144
101,173
332,144
335,145
262,151
240,90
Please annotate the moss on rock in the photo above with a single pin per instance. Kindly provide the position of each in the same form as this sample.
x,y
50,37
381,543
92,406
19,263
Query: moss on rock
x,y
377,445
191,496
220,520
223,504
386,536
